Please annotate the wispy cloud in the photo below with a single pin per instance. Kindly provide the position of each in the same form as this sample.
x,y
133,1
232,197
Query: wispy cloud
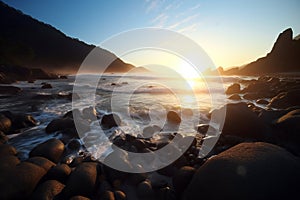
x,y
152,5
195,7
183,21
160,20
189,29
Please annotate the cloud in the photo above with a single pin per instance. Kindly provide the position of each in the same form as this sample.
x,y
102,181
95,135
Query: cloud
x,y
183,21
188,29
160,20
195,7
152,5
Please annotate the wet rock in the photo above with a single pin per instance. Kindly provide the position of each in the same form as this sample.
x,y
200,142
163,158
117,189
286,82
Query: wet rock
x,y
82,180
144,190
51,149
108,195
42,162
47,190
63,77
251,96
46,86
120,195
8,162
173,117
110,120
74,145
3,138
182,178
235,97
244,172
5,123
79,198
59,125
202,128
6,149
9,90
89,113
240,121
23,121
286,99
262,101
59,172
233,89
20,181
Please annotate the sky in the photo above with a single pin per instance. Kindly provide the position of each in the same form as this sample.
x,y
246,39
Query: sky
x,y
232,33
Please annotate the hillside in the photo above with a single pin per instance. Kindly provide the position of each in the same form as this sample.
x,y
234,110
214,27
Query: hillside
x,y
27,42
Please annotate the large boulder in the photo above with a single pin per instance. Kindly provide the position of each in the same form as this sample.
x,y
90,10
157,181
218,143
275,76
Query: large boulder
x,y
82,180
42,162
5,123
60,124
247,171
233,89
173,117
59,172
51,149
110,120
47,190
182,178
286,99
240,121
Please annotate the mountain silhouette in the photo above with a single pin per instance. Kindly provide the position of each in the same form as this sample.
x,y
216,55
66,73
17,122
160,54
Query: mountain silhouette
x,y
27,42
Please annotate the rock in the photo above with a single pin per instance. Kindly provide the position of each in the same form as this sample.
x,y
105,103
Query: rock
x,y
46,86
79,198
251,96
202,128
9,90
173,117
144,190
262,101
241,121
8,162
3,138
247,171
120,195
286,99
6,150
110,120
63,77
82,180
235,97
47,190
233,89
182,178
108,195
60,124
51,149
74,145
59,172
42,162
89,113
5,123
20,181
23,121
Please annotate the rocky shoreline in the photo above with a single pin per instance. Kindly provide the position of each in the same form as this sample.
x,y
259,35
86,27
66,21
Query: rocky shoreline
x,y
256,156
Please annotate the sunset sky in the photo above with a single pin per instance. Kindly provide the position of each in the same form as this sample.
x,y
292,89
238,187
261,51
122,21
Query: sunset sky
x,y
233,33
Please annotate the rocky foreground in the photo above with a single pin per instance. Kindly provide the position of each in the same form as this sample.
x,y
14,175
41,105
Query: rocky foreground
x,y
256,156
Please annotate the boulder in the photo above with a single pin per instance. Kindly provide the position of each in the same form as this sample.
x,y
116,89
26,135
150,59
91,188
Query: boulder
x,y
46,86
9,90
47,190
182,178
286,99
60,124
6,149
3,138
110,120
233,89
51,149
89,113
240,121
79,198
82,180
247,171
42,162
59,172
235,97
144,190
262,101
5,123
173,117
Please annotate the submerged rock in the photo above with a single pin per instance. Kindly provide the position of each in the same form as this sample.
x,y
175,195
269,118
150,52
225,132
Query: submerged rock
x,y
247,171
110,120
46,86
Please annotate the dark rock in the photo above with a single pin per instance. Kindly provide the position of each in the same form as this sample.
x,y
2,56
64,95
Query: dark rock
x,y
42,162
60,124
120,195
5,123
144,190
63,77
202,128
82,180
173,117
74,145
286,99
20,181
46,86
251,96
23,121
59,172
47,190
182,178
3,138
7,162
247,171
110,120
108,195
6,149
9,90
262,101
79,198
51,149
241,121
235,97
233,89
